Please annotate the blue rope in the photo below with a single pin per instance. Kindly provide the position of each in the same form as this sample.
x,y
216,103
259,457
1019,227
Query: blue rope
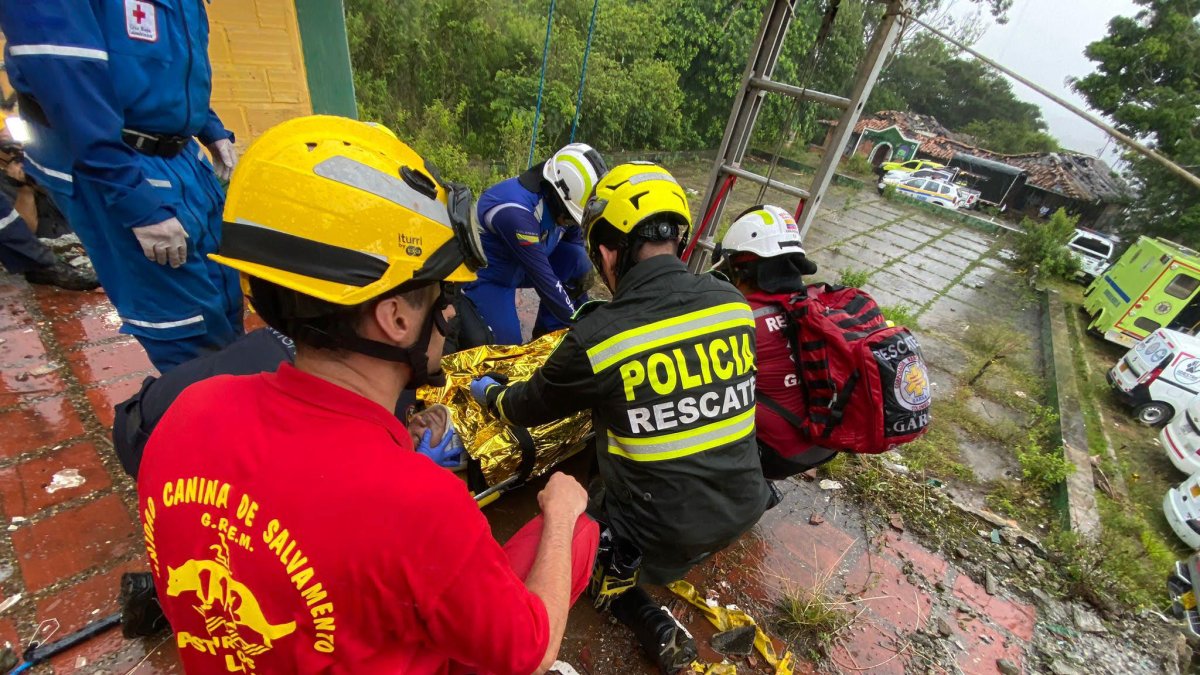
x,y
583,73
537,112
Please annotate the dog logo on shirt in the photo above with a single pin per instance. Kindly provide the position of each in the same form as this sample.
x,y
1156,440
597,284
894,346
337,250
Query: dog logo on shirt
x,y
225,603
141,20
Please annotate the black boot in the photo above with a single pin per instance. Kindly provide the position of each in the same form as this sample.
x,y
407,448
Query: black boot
x,y
616,571
141,615
663,638
64,276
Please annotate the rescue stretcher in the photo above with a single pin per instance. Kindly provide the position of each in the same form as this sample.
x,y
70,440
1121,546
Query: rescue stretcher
x,y
501,457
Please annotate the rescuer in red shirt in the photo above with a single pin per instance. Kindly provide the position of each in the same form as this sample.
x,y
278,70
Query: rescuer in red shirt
x,y
764,257
290,526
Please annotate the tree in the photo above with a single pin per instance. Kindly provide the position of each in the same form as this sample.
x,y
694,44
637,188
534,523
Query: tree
x,y
1147,81
1008,137
928,78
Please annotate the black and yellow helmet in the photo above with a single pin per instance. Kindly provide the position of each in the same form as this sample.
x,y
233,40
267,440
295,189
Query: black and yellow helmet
x,y
630,197
343,211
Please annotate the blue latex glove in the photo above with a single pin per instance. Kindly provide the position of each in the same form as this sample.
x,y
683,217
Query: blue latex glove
x,y
448,453
479,389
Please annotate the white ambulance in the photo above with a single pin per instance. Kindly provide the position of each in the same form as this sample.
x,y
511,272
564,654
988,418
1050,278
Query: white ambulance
x,y
1181,506
1181,439
1159,377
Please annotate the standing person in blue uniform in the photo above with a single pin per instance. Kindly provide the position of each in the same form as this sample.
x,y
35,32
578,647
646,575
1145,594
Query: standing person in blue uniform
x,y
532,237
116,92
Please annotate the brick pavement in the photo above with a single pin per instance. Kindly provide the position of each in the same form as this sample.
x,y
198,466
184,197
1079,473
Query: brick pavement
x,y
62,366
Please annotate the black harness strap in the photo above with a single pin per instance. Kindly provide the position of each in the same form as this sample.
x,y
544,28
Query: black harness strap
x,y
528,453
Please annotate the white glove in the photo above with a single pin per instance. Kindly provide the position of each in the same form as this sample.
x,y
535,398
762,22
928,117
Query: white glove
x,y
224,155
164,242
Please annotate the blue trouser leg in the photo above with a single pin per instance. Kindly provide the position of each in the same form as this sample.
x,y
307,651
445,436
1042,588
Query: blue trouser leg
x,y
20,251
176,314
571,264
497,304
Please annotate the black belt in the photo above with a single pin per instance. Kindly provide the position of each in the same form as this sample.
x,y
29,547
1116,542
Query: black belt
x,y
155,145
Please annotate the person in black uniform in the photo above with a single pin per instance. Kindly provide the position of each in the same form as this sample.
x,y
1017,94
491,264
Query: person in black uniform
x,y
667,368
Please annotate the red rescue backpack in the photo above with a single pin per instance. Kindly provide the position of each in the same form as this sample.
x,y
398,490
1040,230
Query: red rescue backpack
x,y
865,385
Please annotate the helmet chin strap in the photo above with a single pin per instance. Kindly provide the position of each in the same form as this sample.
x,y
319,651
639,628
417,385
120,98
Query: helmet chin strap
x,y
415,357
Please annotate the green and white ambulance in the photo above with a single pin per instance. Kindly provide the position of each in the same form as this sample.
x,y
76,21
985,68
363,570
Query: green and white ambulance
x,y
1153,285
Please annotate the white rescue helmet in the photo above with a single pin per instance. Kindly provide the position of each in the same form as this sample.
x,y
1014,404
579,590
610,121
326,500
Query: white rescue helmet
x,y
764,230
574,171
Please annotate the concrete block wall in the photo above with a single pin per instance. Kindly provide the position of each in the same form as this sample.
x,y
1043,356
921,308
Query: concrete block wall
x,y
258,67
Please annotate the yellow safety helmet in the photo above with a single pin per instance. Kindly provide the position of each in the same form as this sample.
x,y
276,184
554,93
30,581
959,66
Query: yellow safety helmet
x,y
343,211
628,196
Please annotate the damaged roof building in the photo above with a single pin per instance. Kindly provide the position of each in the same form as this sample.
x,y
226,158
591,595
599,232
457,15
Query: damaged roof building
x,y
1082,184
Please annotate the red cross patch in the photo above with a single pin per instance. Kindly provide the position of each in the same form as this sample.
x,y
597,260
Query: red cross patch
x,y
141,21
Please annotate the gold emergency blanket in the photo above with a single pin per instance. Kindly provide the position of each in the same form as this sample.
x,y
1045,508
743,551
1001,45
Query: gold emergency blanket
x,y
726,618
485,437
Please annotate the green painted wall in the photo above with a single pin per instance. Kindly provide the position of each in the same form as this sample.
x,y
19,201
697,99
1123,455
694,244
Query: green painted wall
x,y
327,57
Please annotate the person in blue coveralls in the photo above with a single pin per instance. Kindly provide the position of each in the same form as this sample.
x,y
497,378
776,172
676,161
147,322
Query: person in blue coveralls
x,y
116,93
530,230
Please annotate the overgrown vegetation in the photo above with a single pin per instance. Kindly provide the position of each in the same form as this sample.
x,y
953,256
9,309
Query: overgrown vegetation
x,y
1137,547
1042,246
1043,463
661,74
889,192
901,315
1122,567
854,278
857,165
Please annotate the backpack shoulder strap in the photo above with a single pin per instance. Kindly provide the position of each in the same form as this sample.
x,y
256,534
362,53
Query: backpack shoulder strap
x,y
777,408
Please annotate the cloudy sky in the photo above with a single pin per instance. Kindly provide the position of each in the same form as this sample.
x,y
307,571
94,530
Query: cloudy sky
x,y
1044,41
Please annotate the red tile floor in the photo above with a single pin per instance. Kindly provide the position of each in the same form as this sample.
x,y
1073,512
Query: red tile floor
x,y
62,367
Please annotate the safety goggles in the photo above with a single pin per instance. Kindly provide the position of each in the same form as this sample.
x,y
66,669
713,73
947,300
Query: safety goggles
x,y
593,211
460,204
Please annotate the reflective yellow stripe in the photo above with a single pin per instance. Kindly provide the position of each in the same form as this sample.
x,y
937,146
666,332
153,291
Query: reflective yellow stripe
x,y
644,338
583,172
683,443
499,407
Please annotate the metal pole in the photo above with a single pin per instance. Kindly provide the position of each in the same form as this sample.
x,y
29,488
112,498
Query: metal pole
x,y
881,44
1090,118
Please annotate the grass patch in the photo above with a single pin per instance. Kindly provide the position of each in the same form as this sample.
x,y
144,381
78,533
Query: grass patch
x,y
936,453
1097,443
854,278
1124,566
811,619
1020,501
901,315
966,418
889,192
